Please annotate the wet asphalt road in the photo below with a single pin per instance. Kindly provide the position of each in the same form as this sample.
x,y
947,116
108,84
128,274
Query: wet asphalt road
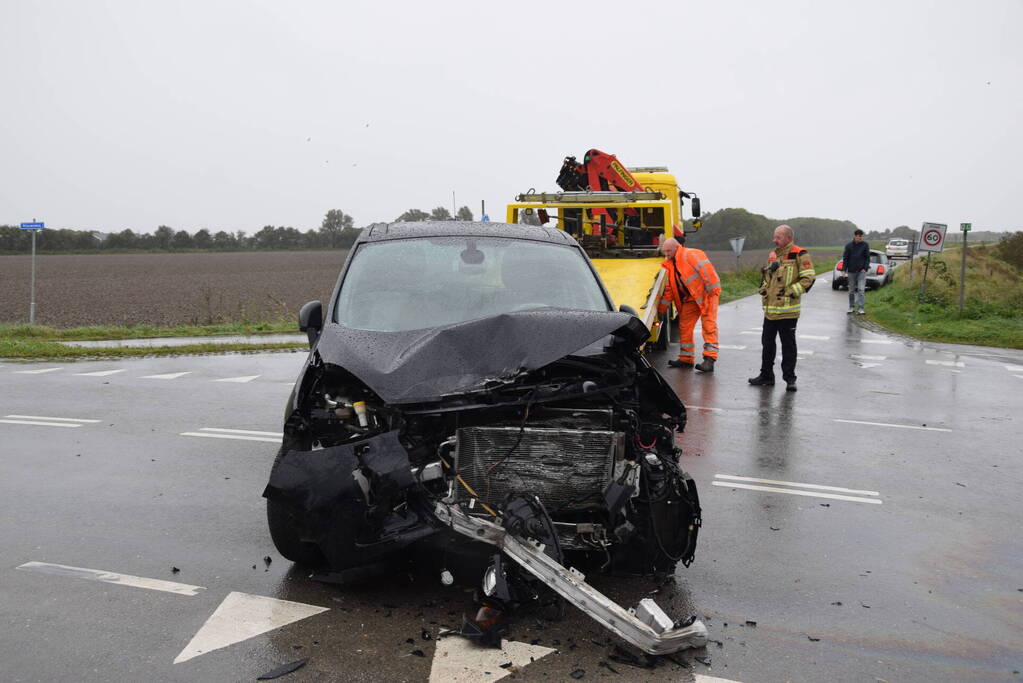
x,y
925,585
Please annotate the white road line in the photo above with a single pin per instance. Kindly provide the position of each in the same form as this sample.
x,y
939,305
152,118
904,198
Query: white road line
x,y
793,492
241,431
239,380
1014,368
101,373
731,347
40,424
749,332
863,356
876,341
819,337
239,437
701,678
886,424
169,375
867,366
58,419
806,353
820,487
716,410
36,372
1020,376
111,577
948,363
242,616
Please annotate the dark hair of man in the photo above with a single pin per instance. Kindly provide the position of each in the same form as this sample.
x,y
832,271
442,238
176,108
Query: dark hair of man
x,y
857,231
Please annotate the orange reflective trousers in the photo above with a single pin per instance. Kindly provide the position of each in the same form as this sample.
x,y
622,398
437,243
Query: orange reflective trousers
x,y
708,317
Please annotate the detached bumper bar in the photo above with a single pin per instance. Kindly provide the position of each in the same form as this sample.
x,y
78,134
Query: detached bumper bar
x,y
645,626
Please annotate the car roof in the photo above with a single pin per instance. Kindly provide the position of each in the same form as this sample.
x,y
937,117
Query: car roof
x,y
380,232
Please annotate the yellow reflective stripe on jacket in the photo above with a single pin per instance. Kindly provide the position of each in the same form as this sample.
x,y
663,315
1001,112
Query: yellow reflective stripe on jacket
x,y
797,289
782,309
808,271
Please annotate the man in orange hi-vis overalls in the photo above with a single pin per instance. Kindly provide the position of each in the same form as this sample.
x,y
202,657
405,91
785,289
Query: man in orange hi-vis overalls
x,y
693,286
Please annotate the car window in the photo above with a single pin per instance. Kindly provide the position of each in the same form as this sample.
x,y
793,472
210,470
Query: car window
x,y
430,282
875,257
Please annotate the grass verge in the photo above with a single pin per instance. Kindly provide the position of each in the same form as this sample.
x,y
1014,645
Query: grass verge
x,y
993,310
736,285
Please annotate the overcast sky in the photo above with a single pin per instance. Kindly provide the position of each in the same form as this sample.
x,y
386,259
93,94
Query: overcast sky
x,y
236,115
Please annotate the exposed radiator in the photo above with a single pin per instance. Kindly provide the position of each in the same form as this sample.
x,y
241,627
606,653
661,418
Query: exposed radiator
x,y
567,468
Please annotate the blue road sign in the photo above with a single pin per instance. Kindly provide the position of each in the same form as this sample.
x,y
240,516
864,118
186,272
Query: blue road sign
x,y
32,226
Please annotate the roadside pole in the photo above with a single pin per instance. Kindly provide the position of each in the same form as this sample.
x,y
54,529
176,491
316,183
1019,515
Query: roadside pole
x,y
33,227
965,227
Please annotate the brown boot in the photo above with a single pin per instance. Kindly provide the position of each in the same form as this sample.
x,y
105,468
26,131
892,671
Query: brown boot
x,y
707,365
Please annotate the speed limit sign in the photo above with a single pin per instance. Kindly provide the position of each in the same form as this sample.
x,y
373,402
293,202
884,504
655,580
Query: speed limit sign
x,y
932,237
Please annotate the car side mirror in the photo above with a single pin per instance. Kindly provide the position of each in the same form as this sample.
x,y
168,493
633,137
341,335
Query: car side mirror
x,y
310,320
694,204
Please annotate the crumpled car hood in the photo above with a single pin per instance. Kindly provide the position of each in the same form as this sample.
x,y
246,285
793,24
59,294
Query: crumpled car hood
x,y
426,365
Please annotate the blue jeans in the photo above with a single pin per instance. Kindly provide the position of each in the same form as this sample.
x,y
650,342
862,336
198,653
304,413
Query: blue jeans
x,y
857,285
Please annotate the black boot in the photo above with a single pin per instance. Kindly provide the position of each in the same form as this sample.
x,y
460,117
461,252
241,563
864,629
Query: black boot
x,y
707,365
679,364
762,381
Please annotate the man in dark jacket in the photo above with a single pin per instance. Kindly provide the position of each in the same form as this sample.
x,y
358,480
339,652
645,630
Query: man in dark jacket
x,y
856,265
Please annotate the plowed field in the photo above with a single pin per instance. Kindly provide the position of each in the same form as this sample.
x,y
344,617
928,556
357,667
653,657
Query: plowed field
x,y
178,289
165,289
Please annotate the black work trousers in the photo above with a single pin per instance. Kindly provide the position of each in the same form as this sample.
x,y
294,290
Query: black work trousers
x,y
786,329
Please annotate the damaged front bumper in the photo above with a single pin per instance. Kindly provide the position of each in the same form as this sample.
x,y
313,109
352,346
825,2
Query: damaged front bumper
x,y
646,626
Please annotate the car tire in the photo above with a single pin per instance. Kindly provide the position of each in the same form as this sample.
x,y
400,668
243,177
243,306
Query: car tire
x,y
285,527
834,284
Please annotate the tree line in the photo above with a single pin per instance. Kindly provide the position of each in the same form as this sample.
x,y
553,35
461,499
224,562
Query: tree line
x,y
720,226
336,231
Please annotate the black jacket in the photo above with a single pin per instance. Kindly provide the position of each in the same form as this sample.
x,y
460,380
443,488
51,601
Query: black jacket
x,y
856,257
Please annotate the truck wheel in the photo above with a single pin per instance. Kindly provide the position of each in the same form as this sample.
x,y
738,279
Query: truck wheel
x,y
286,528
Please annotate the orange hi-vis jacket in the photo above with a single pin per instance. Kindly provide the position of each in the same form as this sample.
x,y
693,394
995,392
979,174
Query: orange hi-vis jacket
x,y
691,275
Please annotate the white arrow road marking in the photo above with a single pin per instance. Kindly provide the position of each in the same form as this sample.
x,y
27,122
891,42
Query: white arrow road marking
x,y
948,363
1014,368
240,434
885,424
819,337
111,577
700,678
731,347
100,373
242,616
459,661
876,341
867,365
862,356
169,375
239,380
35,372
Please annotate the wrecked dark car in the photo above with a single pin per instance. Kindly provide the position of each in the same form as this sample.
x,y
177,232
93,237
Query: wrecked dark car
x,y
471,384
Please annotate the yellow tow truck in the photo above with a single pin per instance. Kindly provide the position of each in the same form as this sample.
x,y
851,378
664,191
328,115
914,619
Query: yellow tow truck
x,y
621,231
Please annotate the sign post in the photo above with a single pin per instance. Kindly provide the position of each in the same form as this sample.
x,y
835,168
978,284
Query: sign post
x,y
932,239
965,227
737,243
33,227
